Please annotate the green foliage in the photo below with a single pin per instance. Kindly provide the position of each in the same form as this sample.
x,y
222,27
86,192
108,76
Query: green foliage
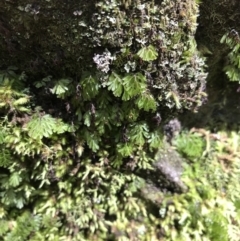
x,y
10,97
190,145
207,211
90,86
5,158
43,82
23,228
78,147
75,186
61,87
133,84
45,126
148,53
115,84
146,102
232,69
139,132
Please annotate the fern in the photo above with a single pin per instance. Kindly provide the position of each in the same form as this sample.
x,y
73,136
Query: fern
x,y
13,100
26,225
43,82
139,133
92,140
148,53
4,227
133,85
115,84
90,85
15,179
44,126
79,179
232,69
217,226
146,102
41,126
190,145
5,158
61,88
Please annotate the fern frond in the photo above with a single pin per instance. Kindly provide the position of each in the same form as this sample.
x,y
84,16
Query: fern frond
x,y
21,101
44,126
41,126
5,158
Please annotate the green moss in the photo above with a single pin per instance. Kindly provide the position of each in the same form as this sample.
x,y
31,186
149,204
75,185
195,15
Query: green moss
x,y
80,130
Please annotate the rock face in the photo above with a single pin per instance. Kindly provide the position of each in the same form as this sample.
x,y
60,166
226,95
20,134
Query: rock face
x,y
154,38
165,177
169,164
216,19
224,18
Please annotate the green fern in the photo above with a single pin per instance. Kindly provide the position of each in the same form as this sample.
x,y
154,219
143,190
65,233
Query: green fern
x,y
61,87
232,69
5,157
115,84
13,100
146,102
4,227
44,126
41,126
90,85
148,53
133,85
190,145
217,226
26,225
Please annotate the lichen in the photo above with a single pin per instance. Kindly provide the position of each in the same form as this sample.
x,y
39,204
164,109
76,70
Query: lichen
x,y
60,39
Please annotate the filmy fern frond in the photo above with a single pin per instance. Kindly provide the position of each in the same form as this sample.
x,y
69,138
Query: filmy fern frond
x,y
5,158
44,126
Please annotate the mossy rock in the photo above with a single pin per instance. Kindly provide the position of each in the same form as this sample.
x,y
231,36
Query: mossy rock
x,y
67,38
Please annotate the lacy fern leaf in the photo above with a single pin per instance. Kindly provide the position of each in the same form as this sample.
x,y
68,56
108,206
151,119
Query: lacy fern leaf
x,y
41,126
44,126
5,158
148,53
61,87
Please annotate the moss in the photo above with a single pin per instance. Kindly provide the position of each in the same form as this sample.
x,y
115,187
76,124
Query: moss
x,y
62,39
112,70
